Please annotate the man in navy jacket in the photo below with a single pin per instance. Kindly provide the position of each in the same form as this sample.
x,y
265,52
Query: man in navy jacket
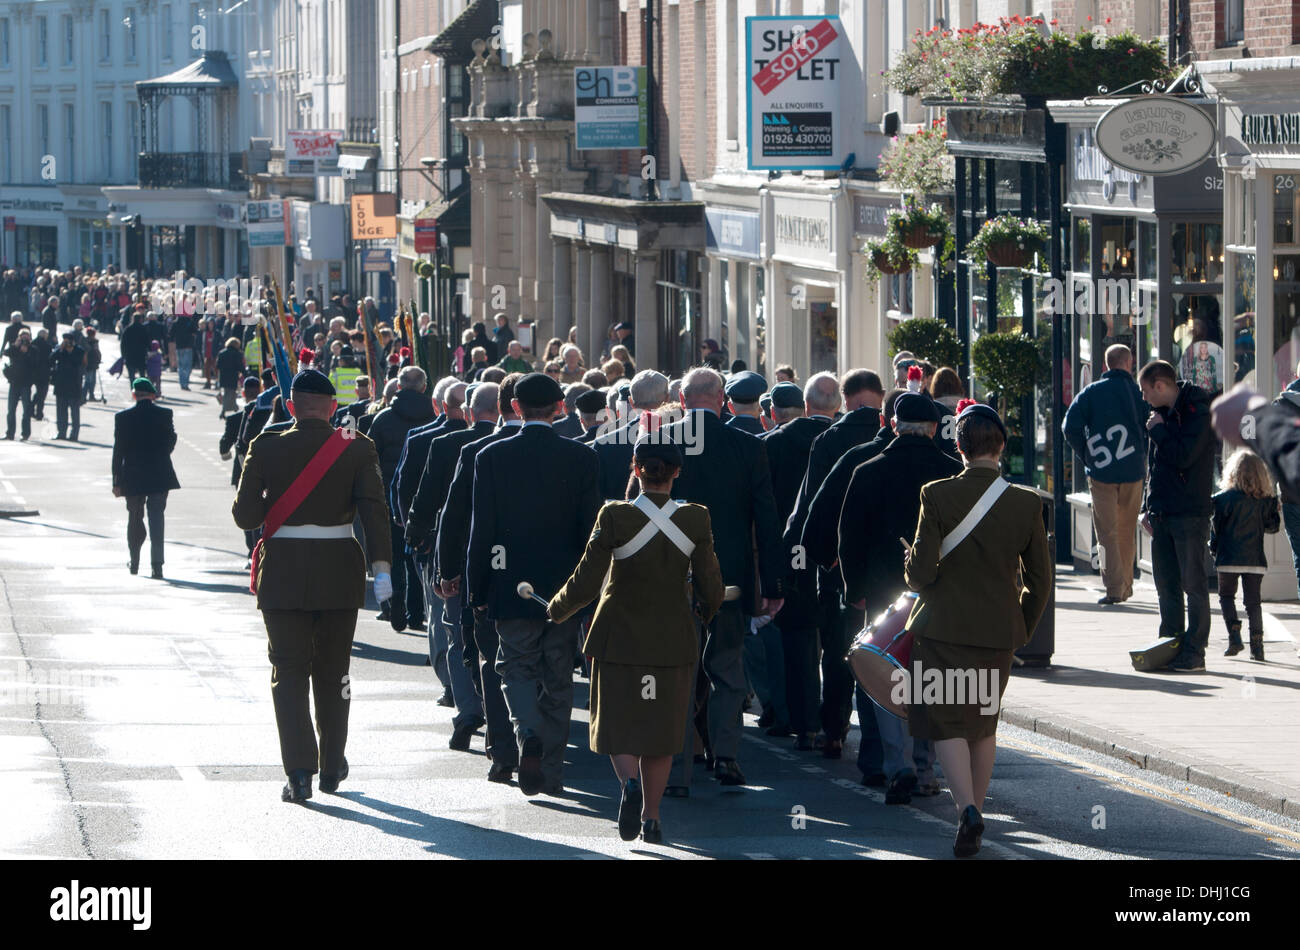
x,y
1105,425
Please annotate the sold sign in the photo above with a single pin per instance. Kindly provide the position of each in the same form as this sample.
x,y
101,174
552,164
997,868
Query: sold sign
x,y
801,51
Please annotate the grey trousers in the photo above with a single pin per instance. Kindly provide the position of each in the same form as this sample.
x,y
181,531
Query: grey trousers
x,y
535,660
136,506
436,629
902,753
469,706
724,664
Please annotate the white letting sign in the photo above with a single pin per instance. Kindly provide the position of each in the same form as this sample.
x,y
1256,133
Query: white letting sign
x,y
1155,135
793,91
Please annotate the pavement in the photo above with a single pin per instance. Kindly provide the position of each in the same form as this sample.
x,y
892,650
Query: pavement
x,y
1230,729
135,719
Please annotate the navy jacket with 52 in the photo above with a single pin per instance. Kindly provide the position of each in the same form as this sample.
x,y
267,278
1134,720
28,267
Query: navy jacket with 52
x,y
1106,427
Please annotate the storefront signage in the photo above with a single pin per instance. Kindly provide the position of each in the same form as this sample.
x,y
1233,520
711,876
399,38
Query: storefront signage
x,y
374,217
11,223
870,217
318,230
1273,129
406,239
611,107
265,222
378,261
801,231
997,133
30,204
311,152
426,235
1089,164
793,91
731,233
1155,135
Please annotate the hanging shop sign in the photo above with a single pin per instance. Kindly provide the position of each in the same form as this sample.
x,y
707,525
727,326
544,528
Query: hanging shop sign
x,y
793,91
373,217
267,223
611,107
1155,135
311,152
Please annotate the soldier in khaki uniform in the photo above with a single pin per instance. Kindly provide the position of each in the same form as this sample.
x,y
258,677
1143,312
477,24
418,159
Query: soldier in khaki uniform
x,y
311,577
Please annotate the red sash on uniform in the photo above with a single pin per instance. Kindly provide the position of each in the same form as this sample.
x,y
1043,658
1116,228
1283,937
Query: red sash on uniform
x,y
296,494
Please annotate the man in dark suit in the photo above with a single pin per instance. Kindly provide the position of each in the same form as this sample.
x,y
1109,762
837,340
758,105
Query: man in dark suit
x,y
726,470
791,653
143,439
421,530
744,390
646,393
513,539
881,506
478,633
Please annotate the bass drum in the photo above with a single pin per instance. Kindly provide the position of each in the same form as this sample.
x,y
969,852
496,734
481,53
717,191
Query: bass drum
x,y
881,657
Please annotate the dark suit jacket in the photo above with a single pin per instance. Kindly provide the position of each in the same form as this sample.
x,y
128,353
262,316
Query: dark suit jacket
x,y
747,424
971,597
614,452
411,468
439,468
143,439
820,535
570,427
300,574
881,505
725,469
539,544
588,437
849,430
787,456
454,519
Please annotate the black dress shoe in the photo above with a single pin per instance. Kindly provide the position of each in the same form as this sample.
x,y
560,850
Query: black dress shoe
x,y
460,735
969,831
900,790
766,719
500,772
781,729
530,766
804,742
133,567
157,572
1108,600
833,749
398,621
298,788
652,832
329,783
383,611
874,779
445,699
728,772
629,810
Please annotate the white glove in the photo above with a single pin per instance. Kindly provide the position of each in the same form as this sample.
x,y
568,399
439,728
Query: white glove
x,y
383,587
225,456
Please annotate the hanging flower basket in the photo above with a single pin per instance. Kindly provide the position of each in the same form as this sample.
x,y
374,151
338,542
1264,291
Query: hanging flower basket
x,y
1008,241
917,226
887,266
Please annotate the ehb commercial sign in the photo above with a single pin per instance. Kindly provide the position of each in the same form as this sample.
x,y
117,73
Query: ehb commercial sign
x,y
611,107
794,91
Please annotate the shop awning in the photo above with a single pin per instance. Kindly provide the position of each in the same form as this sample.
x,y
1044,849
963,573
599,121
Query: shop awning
x,y
355,162
474,23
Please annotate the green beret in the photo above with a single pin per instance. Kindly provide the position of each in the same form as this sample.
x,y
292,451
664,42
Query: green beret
x,y
143,385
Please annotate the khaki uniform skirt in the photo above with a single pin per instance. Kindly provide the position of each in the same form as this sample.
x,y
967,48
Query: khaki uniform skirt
x,y
948,718
625,720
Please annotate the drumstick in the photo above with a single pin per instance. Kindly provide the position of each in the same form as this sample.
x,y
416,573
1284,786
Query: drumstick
x,y
906,547
525,590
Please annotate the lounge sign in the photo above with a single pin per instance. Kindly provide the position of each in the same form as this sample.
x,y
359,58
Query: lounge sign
x,y
1155,135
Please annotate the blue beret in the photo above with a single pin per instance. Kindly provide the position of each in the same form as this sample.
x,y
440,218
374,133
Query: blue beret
x,y
746,387
311,381
590,402
786,396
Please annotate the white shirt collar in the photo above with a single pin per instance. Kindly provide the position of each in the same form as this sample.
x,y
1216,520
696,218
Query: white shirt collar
x,y
514,422
535,422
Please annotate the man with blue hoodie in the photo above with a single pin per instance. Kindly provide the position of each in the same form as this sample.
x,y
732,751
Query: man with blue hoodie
x,y
1105,425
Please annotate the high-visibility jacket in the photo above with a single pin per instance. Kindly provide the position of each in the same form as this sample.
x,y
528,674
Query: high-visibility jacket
x,y
253,352
344,379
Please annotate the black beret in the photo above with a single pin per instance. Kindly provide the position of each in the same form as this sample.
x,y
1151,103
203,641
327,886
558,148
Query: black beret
x,y
987,412
648,448
786,396
916,407
312,381
536,390
591,401
765,401
625,392
746,386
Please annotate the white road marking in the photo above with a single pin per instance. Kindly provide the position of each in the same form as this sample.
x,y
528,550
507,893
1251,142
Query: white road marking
x,y
190,773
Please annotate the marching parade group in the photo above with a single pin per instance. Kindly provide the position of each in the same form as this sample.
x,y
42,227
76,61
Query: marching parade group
x,y
691,545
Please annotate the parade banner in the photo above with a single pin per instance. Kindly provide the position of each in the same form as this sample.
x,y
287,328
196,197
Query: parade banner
x,y
793,91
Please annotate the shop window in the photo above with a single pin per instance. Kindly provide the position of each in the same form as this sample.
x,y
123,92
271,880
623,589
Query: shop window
x,y
1147,243
760,321
1198,339
1286,317
1243,318
1284,209
1118,238
900,293
1197,252
823,326
1082,245
1234,21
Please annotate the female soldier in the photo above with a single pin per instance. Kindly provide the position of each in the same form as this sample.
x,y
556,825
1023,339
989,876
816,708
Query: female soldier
x,y
974,533
642,640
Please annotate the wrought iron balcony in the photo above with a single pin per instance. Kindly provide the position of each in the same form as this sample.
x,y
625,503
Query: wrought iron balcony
x,y
192,170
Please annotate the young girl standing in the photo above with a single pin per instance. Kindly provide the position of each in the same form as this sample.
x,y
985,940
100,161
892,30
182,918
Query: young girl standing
x,y
1244,512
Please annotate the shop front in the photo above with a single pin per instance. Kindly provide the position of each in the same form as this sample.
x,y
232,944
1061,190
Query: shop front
x,y
36,232
317,230
198,231
1259,149
736,317
93,240
893,298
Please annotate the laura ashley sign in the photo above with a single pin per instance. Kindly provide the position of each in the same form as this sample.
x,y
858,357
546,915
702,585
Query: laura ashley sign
x,y
1155,135
1272,129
